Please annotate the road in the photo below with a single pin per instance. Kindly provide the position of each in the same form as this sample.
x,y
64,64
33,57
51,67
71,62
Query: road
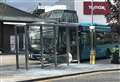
x,y
95,77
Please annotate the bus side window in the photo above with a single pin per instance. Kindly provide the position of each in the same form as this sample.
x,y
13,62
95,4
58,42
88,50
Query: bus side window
x,y
99,38
107,38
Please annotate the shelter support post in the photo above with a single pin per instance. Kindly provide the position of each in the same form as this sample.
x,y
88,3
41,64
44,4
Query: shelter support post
x,y
41,46
16,47
55,44
92,51
26,47
77,44
67,45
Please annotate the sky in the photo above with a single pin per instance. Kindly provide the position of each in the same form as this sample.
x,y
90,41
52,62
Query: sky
x,y
28,5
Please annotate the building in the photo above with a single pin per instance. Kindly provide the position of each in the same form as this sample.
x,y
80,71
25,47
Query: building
x,y
83,8
9,14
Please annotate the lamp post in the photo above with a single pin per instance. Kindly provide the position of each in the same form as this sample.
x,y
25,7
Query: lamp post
x,y
92,51
92,30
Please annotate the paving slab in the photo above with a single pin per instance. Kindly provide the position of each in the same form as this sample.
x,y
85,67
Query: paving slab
x,y
11,74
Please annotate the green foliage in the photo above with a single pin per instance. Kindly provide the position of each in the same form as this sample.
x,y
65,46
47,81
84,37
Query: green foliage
x,y
114,17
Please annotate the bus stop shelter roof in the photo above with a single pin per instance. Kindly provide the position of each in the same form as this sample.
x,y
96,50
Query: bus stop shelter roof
x,y
53,23
9,13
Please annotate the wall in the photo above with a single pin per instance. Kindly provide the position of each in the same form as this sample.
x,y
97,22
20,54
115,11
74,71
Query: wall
x,y
7,31
0,34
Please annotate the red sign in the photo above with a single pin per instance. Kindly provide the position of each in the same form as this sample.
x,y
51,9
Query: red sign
x,y
99,8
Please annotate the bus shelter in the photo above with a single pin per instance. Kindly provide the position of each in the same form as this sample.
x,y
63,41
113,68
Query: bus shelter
x,y
43,25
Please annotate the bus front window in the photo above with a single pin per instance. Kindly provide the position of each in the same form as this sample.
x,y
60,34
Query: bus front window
x,y
48,38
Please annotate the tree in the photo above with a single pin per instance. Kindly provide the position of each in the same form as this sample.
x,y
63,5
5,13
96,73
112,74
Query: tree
x,y
113,18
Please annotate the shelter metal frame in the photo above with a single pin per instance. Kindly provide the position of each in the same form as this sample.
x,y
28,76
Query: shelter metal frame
x,y
41,35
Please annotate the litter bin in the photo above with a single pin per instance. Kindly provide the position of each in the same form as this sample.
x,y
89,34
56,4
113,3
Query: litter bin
x,y
115,57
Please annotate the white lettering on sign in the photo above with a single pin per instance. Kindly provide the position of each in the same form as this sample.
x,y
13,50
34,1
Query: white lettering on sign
x,y
97,7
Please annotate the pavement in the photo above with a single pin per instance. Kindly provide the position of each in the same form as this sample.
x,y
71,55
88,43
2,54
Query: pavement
x,y
9,73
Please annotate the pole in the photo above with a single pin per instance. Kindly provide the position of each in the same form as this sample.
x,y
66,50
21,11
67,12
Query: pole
x,y
92,9
92,37
92,28
68,44
77,44
119,49
16,48
26,47
92,51
41,44
55,42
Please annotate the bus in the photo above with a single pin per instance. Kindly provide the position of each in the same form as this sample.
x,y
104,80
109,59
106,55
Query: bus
x,y
52,32
61,16
104,39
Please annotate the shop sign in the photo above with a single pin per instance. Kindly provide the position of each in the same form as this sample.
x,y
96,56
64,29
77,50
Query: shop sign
x,y
99,8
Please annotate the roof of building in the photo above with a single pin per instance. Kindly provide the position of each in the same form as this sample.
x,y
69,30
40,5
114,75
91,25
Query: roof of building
x,y
9,13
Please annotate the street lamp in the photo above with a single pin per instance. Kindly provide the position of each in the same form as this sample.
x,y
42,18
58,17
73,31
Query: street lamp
x,y
92,51
92,30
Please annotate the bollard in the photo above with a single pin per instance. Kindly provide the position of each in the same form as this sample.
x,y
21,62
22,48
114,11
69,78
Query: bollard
x,y
92,56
